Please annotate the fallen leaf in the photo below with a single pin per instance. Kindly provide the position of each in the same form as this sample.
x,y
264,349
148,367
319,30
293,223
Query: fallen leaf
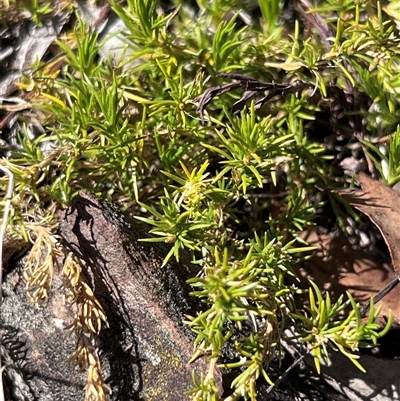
x,y
337,267
382,205
393,10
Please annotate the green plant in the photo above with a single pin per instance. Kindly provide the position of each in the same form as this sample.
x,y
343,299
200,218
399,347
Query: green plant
x,y
35,10
323,327
233,184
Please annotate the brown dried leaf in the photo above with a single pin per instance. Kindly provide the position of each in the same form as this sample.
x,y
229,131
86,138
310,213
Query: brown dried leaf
x,y
337,267
381,204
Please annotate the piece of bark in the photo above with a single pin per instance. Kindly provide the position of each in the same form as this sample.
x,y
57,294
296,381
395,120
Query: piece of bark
x,y
35,346
29,43
147,347
145,352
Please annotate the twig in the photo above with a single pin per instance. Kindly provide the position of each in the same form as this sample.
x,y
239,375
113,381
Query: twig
x,y
6,212
14,104
384,291
283,376
252,87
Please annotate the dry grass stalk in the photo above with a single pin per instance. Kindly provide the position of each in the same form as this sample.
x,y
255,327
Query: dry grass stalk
x,y
88,322
39,267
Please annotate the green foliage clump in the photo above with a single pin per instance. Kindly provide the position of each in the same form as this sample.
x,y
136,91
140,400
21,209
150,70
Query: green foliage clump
x,y
237,190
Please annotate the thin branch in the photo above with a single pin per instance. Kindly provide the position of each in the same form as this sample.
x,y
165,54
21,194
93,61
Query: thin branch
x,y
252,88
382,293
283,376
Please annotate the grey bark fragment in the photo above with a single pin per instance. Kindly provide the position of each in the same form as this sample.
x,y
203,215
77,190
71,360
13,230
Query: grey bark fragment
x,y
36,347
30,43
